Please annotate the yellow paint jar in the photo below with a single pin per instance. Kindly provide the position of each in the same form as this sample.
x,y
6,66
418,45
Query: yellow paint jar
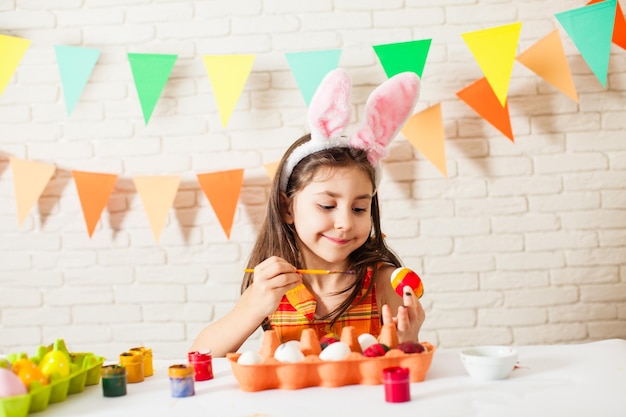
x,y
148,369
133,362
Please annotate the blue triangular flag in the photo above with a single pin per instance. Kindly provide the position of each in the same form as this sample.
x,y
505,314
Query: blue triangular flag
x,y
75,66
309,68
591,30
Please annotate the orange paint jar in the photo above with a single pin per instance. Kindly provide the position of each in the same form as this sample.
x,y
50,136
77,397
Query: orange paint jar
x,y
133,362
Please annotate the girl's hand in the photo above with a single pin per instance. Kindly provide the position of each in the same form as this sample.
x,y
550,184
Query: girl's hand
x,y
409,319
271,280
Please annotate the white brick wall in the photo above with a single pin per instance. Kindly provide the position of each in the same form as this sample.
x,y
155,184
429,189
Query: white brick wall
x,y
523,243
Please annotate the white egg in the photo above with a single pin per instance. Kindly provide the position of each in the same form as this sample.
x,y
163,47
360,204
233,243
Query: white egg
x,y
289,352
335,352
249,358
366,340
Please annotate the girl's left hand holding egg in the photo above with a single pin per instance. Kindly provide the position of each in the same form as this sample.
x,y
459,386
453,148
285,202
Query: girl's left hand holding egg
x,y
410,316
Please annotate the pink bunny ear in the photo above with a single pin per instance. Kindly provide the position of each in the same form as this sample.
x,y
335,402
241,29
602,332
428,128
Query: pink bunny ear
x,y
386,110
329,109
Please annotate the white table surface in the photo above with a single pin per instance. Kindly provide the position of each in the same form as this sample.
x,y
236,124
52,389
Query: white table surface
x,y
556,380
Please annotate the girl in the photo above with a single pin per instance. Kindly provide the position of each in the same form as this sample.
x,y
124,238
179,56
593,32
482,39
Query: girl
x,y
323,214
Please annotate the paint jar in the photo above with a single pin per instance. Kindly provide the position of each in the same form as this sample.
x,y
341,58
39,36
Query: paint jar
x,y
113,380
133,362
397,384
181,380
148,369
202,365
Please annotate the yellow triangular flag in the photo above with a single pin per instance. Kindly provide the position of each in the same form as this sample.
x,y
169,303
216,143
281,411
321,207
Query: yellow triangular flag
x,y
29,179
271,168
228,75
157,195
547,59
12,50
424,130
494,49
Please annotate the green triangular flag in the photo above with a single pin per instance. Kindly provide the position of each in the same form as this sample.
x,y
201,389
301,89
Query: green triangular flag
x,y
12,50
309,68
150,72
75,67
591,30
404,56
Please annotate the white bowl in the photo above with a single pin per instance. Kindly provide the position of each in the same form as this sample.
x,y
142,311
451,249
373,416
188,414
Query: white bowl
x,y
489,362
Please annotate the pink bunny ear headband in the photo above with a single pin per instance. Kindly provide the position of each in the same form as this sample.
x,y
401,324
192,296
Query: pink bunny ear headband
x,y
386,110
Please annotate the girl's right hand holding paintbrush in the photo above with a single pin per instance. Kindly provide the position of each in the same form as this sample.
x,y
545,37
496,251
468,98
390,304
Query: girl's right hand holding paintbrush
x,y
271,280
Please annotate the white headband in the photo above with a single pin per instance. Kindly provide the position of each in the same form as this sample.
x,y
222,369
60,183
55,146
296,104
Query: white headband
x,y
386,110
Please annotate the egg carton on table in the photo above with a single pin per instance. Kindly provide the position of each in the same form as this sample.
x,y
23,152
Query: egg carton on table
x,y
353,369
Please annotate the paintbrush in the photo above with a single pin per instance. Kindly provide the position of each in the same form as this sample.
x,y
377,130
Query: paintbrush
x,y
314,271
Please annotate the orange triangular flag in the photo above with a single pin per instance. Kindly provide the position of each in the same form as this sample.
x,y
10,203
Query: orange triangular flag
x,y
223,190
157,195
271,168
424,130
94,190
547,59
480,97
29,180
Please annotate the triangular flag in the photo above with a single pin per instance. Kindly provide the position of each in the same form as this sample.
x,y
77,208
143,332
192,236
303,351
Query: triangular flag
x,y
228,75
591,30
12,50
619,26
494,50
271,168
75,67
309,68
480,97
150,72
547,59
222,190
29,179
157,195
404,56
424,130
94,190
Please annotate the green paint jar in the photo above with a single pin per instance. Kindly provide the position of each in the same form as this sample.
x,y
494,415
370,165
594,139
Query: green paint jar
x,y
113,380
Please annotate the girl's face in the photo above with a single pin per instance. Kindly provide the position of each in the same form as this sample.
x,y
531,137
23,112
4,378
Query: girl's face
x,y
331,216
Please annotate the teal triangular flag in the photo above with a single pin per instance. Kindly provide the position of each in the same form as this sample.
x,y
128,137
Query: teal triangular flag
x,y
309,68
75,66
591,30
150,72
403,56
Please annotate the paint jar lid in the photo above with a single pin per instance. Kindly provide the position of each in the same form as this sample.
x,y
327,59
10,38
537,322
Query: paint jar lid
x,y
199,356
395,374
131,357
141,349
113,370
180,371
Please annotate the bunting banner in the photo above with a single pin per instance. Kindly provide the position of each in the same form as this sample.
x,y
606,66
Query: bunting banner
x,y
12,50
222,189
619,26
157,195
94,190
150,72
424,130
547,59
403,56
75,67
494,50
591,30
29,180
309,68
228,75
270,169
480,97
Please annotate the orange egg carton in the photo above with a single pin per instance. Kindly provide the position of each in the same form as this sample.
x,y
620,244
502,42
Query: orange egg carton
x,y
354,369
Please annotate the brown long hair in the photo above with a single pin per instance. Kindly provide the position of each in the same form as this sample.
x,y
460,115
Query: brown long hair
x,y
278,238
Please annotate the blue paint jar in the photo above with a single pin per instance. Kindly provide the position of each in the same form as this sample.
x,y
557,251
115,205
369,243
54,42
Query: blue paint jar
x,y
181,380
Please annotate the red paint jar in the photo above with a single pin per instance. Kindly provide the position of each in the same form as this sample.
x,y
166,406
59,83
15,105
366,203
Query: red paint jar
x,y
202,365
397,384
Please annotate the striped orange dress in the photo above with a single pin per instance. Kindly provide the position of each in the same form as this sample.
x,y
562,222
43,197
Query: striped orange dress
x,y
296,312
